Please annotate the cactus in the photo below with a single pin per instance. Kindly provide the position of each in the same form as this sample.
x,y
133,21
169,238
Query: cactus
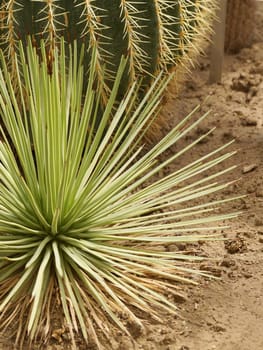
x,y
154,34
240,24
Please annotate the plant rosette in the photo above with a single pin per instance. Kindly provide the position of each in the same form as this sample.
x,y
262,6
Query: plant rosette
x,y
82,209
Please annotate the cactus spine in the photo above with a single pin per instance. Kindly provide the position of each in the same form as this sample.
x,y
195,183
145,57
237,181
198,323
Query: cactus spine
x,y
154,34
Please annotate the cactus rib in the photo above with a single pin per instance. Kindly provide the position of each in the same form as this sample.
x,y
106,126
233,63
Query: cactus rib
x,y
154,34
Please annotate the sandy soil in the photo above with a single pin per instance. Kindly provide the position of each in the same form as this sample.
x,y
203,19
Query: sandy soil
x,y
223,314
226,314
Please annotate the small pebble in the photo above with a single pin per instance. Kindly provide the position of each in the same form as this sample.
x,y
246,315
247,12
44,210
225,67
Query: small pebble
x,y
249,168
249,121
259,193
234,246
247,274
228,262
258,221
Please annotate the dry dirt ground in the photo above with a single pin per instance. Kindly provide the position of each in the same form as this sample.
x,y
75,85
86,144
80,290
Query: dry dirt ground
x,y
223,314
226,314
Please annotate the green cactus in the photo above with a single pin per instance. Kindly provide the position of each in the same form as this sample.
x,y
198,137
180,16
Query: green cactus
x,y
155,34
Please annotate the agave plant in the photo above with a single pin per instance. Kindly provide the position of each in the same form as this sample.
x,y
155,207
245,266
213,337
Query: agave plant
x,y
154,34
81,206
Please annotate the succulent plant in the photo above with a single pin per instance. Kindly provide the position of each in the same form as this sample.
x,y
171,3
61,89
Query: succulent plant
x,y
154,34
82,208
